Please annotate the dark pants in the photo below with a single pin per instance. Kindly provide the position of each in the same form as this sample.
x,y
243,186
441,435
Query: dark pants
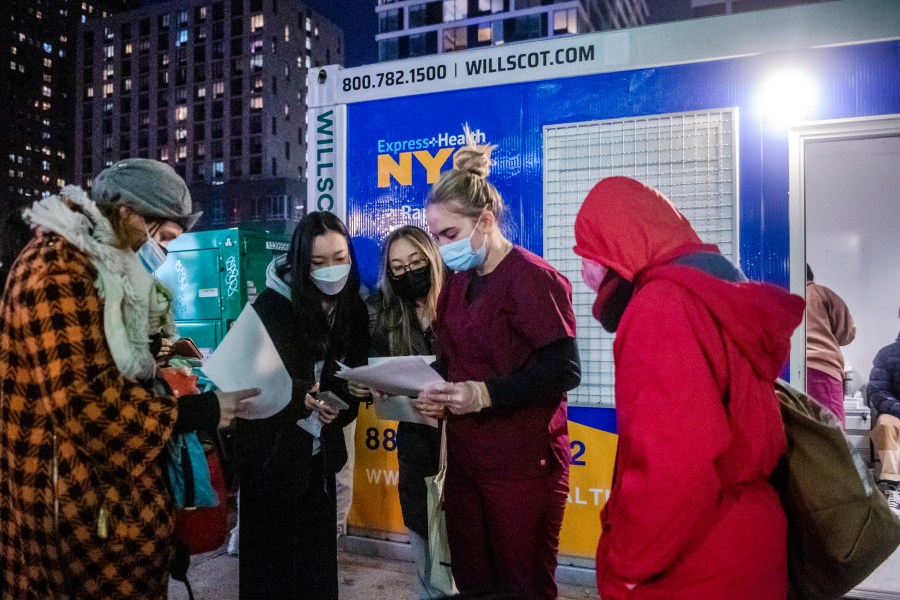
x,y
288,545
504,534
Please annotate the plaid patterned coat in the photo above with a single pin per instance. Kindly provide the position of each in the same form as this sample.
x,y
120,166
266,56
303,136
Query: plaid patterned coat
x,y
84,512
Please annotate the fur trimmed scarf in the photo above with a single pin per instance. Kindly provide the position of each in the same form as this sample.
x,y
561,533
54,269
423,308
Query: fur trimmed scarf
x,y
136,304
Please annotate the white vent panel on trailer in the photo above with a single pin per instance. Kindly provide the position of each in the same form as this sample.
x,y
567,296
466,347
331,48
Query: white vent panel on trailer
x,y
690,157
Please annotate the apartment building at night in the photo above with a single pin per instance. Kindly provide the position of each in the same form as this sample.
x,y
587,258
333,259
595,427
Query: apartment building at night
x,y
217,89
408,28
37,91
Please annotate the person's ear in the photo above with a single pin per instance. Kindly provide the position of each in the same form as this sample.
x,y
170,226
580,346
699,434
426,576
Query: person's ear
x,y
488,222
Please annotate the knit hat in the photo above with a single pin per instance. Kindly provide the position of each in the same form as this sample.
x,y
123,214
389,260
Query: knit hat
x,y
152,188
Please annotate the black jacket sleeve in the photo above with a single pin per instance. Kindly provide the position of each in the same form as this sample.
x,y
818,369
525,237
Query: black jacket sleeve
x,y
198,412
276,314
355,354
548,372
884,381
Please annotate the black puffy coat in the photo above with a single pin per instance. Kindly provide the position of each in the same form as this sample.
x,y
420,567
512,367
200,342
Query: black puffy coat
x,y
884,381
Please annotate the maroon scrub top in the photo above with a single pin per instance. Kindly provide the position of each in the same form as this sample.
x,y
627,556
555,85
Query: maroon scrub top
x,y
524,305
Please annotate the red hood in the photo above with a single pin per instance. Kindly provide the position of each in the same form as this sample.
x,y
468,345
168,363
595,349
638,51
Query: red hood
x,y
758,317
629,226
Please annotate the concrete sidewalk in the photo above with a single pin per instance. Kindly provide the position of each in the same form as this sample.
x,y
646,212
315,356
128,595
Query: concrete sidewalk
x,y
214,576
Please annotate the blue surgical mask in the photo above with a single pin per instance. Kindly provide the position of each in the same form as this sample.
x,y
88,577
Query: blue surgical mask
x,y
152,254
331,280
460,256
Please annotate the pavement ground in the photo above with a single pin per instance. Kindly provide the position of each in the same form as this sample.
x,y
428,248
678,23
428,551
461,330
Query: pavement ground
x,y
214,576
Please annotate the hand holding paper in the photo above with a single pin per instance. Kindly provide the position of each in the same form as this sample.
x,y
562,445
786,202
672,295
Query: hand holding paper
x,y
392,381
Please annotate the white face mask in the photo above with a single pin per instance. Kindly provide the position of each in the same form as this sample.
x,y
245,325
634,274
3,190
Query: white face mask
x,y
152,253
331,280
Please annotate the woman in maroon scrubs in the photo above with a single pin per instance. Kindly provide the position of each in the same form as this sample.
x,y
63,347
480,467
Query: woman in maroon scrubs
x,y
506,336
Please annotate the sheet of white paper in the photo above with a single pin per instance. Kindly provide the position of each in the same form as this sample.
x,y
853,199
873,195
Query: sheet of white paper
x,y
247,358
400,408
398,376
312,425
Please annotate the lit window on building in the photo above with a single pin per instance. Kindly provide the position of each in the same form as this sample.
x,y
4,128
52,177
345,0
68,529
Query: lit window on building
x,y
218,170
107,90
256,62
484,33
182,153
287,33
258,83
256,103
256,23
455,38
46,91
48,48
181,113
308,24
128,49
218,89
182,17
256,46
200,92
454,10
565,21
164,154
110,51
109,72
308,61
308,44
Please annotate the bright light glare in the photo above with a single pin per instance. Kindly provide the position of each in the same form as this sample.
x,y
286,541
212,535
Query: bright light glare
x,y
789,96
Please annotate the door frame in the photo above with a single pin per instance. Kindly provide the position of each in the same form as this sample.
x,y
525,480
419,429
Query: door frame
x,y
798,136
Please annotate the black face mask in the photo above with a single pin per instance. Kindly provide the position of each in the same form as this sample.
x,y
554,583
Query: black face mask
x,y
612,299
413,285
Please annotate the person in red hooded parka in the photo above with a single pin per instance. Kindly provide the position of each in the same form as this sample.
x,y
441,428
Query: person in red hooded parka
x,y
691,513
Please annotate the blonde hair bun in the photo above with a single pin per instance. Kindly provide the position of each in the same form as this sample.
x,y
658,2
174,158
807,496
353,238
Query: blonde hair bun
x,y
473,158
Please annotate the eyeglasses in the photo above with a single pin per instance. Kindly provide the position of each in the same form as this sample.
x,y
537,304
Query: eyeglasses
x,y
397,271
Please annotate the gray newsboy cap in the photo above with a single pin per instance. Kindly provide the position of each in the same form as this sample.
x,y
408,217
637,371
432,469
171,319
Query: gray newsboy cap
x,y
150,187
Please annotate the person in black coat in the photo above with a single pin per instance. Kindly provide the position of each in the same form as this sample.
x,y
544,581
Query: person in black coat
x,y
313,312
884,396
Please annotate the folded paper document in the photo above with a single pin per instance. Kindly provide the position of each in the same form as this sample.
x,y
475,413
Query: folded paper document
x,y
397,376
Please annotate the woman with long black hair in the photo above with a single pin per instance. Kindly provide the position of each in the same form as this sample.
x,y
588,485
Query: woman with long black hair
x,y
313,312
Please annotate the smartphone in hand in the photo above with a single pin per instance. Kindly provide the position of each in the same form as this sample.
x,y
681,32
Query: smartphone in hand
x,y
331,399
